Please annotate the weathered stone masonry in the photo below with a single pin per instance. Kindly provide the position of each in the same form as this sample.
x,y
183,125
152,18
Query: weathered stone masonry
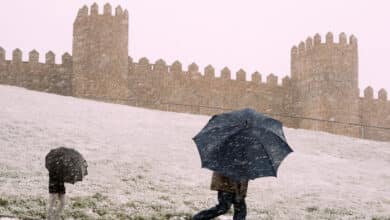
x,y
47,77
321,94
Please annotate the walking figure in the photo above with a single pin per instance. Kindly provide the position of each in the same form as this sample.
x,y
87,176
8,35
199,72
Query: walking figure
x,y
239,146
65,165
230,193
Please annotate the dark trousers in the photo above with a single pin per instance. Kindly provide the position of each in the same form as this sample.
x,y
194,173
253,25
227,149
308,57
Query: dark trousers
x,y
225,201
56,183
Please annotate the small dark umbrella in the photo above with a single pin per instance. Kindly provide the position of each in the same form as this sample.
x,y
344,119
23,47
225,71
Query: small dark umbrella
x,y
66,163
242,145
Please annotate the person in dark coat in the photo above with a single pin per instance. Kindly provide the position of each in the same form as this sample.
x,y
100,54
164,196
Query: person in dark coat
x,y
57,190
229,192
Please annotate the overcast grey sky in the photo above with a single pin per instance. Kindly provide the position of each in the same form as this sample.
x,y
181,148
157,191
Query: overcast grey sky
x,y
249,34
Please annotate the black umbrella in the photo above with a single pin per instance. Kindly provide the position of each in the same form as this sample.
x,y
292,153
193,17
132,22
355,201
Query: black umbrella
x,y
242,145
66,163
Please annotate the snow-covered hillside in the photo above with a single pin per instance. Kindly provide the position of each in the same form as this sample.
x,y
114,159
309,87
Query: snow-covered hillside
x,y
143,164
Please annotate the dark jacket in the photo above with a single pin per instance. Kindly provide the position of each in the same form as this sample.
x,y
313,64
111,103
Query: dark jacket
x,y
223,183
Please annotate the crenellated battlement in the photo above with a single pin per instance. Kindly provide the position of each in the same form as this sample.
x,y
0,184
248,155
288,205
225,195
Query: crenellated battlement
x,y
368,94
32,74
144,66
316,43
93,11
337,62
33,58
321,93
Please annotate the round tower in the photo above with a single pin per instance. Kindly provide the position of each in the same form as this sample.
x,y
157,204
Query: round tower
x,y
100,54
325,78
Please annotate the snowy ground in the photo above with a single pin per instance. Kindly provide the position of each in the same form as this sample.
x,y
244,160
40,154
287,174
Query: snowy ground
x,y
144,165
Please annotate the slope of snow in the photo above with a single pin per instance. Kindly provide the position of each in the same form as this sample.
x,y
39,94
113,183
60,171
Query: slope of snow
x,y
143,163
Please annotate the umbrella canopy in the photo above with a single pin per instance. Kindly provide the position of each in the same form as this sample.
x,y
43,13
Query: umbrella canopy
x,y
66,163
242,145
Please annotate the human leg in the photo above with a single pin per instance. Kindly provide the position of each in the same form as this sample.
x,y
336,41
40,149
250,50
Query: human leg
x,y
52,206
239,208
60,206
56,191
225,200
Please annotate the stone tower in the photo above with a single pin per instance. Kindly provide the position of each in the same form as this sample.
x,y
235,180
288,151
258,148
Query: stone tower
x,y
100,54
325,78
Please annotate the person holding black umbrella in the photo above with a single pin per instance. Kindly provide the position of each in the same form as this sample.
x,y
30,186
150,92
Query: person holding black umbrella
x,y
229,192
239,146
65,165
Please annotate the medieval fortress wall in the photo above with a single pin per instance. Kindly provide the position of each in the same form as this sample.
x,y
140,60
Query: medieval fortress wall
x,y
31,74
321,94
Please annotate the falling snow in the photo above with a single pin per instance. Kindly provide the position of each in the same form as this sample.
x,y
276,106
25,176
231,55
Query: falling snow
x,y
144,163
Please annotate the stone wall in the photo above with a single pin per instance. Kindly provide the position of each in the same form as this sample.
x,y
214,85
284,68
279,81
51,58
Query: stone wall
x,y
100,53
48,77
322,93
375,112
325,77
170,88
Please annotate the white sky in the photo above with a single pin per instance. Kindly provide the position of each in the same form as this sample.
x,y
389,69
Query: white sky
x,y
249,34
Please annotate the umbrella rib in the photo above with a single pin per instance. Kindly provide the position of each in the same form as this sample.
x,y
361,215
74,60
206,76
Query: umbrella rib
x,y
273,168
269,156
